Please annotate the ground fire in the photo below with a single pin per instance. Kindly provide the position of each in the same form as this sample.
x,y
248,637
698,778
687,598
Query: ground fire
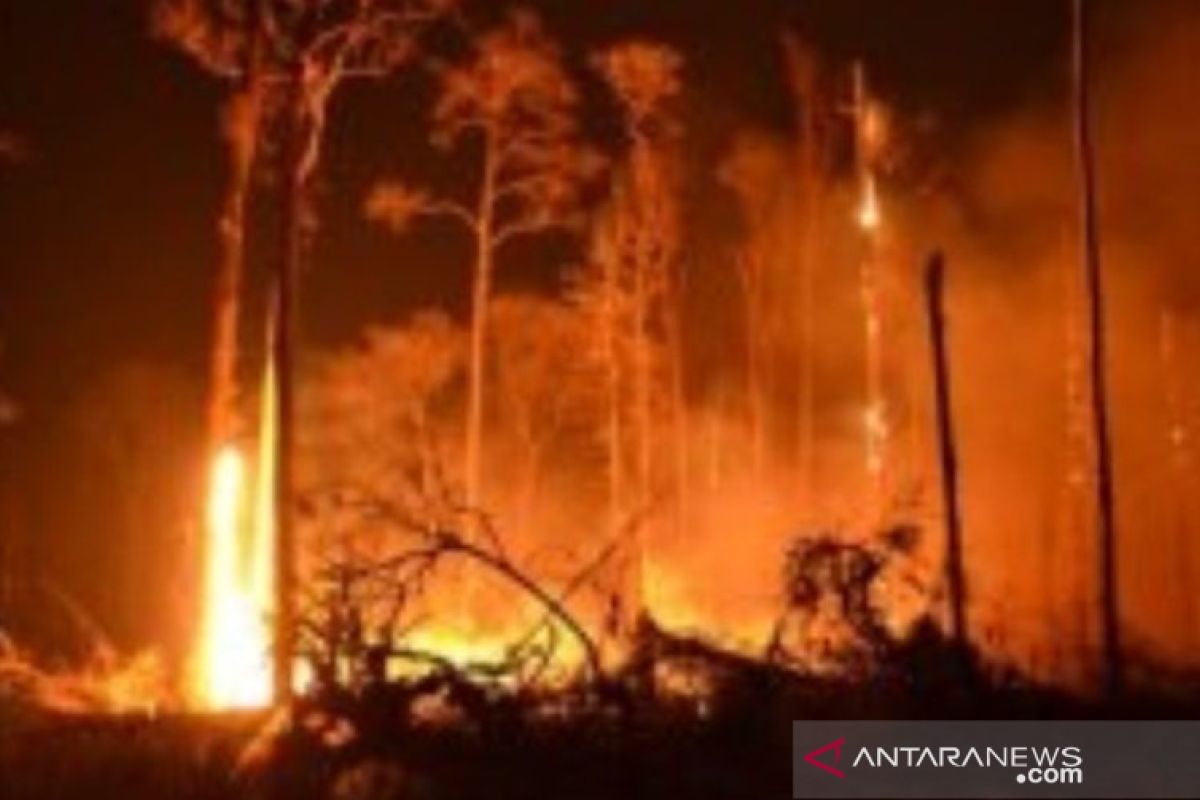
x,y
625,399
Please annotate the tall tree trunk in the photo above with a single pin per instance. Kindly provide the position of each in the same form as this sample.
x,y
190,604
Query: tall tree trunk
x,y
802,74
302,132
644,421
1106,533
678,390
750,269
612,365
643,388
956,579
240,128
287,275
807,440
481,292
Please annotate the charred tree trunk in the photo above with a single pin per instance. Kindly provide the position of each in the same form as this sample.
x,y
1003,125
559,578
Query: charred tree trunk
x,y
301,132
284,340
956,580
1106,533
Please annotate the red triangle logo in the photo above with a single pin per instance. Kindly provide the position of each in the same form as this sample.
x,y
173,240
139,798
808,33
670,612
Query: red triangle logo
x,y
836,747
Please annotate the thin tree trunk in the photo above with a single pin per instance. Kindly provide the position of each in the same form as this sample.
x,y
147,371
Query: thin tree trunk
x,y
1106,518
678,403
481,290
302,136
802,72
284,339
642,387
956,579
633,597
807,457
240,128
613,400
751,274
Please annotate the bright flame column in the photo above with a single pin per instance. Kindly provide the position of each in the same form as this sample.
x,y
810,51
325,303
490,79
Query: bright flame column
x,y
234,649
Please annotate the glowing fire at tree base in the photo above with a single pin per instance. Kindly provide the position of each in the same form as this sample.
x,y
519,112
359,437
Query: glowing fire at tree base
x,y
233,654
234,669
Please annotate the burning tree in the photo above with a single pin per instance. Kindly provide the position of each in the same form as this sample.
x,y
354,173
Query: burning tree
x,y
285,60
513,102
635,293
545,394
751,170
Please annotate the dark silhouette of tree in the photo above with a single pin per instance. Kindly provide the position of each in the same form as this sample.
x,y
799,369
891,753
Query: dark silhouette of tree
x,y
1106,532
956,572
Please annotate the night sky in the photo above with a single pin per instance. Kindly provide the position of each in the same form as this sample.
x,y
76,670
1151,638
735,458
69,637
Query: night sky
x,y
108,225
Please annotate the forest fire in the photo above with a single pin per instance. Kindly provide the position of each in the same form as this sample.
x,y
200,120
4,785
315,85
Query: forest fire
x,y
625,403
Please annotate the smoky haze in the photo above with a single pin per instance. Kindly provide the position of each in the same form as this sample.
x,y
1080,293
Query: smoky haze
x,y
993,188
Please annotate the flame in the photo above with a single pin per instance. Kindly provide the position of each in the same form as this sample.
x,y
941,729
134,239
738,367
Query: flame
x,y
869,215
234,648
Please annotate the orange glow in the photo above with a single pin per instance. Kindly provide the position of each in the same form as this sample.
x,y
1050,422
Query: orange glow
x,y
869,215
234,666
234,649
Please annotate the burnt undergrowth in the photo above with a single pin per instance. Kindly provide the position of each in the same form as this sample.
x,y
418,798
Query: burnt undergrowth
x,y
679,716
682,718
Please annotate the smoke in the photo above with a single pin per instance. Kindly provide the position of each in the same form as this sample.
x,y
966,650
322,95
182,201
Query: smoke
x,y
1018,315
1003,205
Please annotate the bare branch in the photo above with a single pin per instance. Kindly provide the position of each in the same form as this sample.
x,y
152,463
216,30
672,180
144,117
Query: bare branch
x,y
395,205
